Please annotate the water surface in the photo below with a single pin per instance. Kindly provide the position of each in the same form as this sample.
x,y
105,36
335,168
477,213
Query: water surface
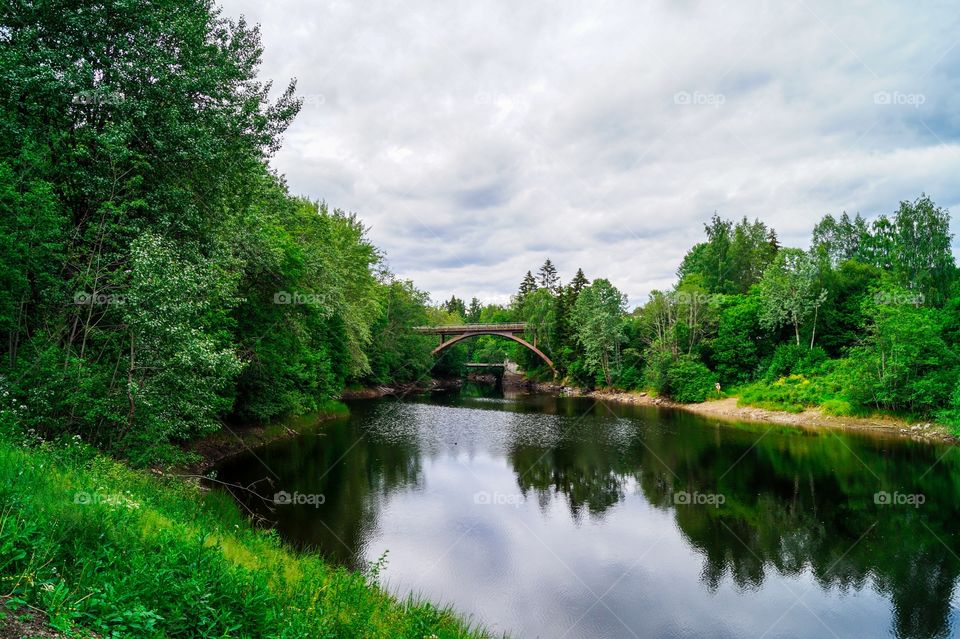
x,y
564,517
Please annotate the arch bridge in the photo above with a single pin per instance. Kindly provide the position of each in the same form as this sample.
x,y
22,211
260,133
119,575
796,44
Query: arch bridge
x,y
453,333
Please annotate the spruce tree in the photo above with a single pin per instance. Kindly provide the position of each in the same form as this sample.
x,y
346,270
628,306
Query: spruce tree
x,y
577,284
527,286
473,313
548,276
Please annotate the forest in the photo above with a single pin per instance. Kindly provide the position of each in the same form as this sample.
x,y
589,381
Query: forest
x,y
867,319
158,278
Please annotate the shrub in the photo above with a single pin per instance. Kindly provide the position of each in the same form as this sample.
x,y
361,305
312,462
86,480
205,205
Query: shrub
x,y
656,373
790,359
689,380
838,408
951,415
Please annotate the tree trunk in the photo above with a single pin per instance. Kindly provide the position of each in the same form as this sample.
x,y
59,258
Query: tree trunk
x,y
813,333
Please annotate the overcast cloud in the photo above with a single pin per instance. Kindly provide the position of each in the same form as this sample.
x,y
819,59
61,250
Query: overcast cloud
x,y
478,138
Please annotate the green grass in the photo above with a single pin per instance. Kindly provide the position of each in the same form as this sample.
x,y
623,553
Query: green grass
x,y
100,547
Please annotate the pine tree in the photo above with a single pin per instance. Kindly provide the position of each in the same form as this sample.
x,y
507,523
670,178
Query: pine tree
x,y
577,284
527,286
548,276
772,240
456,306
473,313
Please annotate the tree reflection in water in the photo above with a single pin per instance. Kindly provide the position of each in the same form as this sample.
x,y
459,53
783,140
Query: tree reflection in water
x,y
794,501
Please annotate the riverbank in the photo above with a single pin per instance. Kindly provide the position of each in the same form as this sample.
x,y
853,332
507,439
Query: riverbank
x,y
728,409
234,439
94,546
401,390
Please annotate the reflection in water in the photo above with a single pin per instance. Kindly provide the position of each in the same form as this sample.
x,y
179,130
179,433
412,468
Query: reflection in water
x,y
544,516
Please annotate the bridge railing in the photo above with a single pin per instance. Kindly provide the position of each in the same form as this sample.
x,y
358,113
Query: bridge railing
x,y
453,329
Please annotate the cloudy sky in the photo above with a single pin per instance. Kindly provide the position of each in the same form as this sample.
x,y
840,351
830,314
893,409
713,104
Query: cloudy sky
x,y
477,138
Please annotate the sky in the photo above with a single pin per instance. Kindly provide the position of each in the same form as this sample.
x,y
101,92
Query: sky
x,y
478,138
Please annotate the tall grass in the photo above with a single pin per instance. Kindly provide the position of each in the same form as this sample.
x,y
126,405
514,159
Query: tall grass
x,y
101,547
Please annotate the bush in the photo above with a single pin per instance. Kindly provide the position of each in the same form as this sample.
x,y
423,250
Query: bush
x,y
689,380
794,359
656,373
838,408
827,387
951,415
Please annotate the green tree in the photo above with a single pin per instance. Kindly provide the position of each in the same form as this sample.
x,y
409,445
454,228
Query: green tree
x,y
741,342
598,318
527,286
473,312
904,364
837,240
734,256
455,306
547,277
577,284
790,292
397,354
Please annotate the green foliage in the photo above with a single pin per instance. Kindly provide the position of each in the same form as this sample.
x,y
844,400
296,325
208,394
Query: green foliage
x,y
689,380
734,256
791,359
838,408
951,414
597,317
790,292
101,548
793,393
741,343
155,276
904,363
397,353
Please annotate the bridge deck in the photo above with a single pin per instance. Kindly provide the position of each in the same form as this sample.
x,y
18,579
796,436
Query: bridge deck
x,y
460,329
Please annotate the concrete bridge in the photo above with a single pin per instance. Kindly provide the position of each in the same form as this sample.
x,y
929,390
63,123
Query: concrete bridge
x,y
453,333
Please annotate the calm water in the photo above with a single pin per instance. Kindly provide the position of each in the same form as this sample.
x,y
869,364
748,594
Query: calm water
x,y
549,517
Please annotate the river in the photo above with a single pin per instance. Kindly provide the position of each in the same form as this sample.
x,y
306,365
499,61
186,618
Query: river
x,y
541,516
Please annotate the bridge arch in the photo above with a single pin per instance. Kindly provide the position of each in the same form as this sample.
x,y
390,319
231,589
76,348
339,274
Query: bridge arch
x,y
519,340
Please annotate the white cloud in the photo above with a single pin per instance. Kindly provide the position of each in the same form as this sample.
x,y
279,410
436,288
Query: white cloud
x,y
478,138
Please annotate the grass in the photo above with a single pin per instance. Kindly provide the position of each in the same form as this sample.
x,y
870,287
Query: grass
x,y
97,546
